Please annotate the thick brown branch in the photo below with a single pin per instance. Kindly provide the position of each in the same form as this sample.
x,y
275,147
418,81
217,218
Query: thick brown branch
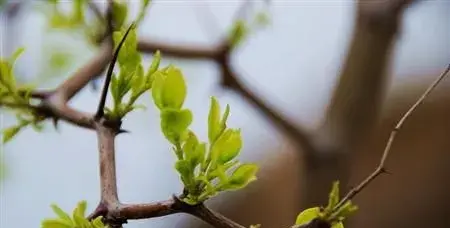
x,y
120,213
151,210
213,218
106,145
55,107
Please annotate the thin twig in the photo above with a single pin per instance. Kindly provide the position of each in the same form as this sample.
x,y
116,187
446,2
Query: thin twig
x,y
381,167
101,105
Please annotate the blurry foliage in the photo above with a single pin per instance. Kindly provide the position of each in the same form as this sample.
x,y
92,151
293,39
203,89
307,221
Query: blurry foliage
x,y
16,98
77,220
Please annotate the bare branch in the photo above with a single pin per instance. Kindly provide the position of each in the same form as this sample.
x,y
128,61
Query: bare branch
x,y
381,167
213,218
180,51
85,74
299,135
356,101
151,210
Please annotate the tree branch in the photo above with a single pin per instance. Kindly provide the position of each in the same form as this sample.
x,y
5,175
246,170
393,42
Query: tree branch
x,y
230,80
179,51
355,105
106,136
381,167
84,75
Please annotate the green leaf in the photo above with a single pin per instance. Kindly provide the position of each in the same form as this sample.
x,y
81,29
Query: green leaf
x,y
78,11
55,223
153,67
128,55
120,10
182,166
61,214
78,214
16,55
347,209
115,89
333,198
174,90
190,145
215,125
229,144
308,215
238,33
174,123
10,132
138,83
214,120
157,88
242,176
262,19
199,155
97,222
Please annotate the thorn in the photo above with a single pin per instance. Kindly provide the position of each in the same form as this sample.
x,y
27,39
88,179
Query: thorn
x,y
385,171
55,123
121,131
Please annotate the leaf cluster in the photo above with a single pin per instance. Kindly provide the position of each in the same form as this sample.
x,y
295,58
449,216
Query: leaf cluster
x,y
17,98
331,214
73,20
78,219
204,168
131,81
94,30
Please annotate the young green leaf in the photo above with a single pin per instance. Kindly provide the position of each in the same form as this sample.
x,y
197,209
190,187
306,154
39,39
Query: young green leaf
x,y
174,90
214,120
333,199
229,145
242,176
10,132
308,215
238,33
182,166
61,214
190,145
17,53
174,123
55,223
347,209
120,10
153,67
157,88
199,155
